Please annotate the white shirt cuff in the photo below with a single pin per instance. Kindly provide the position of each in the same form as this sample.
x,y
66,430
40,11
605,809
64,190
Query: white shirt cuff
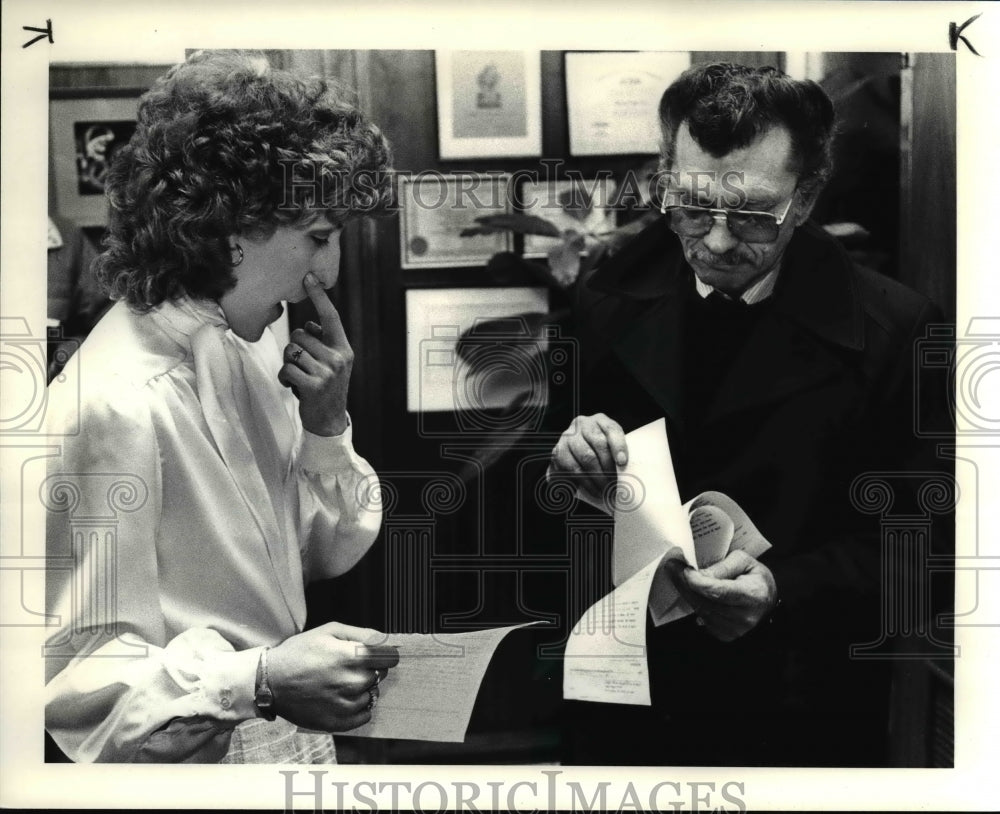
x,y
226,685
327,454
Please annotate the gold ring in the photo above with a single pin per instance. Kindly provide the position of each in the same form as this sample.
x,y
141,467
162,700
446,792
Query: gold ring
x,y
372,700
296,354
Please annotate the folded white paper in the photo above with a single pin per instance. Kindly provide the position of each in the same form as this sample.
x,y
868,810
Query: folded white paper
x,y
605,656
649,517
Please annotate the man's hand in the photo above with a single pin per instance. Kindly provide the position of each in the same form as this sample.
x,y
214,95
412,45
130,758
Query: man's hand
x,y
731,597
587,454
326,678
318,363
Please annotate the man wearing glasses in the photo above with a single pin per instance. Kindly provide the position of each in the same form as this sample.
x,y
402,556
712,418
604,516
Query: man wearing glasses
x,y
783,372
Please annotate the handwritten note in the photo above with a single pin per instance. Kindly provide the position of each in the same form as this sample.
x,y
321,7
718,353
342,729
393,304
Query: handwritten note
x,y
430,694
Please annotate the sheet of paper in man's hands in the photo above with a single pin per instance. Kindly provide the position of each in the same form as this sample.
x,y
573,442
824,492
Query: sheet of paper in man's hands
x,y
605,657
430,694
649,517
718,526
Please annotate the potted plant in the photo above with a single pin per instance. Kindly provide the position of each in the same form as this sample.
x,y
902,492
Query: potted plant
x,y
580,235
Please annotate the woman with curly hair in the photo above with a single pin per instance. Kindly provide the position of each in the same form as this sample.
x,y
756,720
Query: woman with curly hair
x,y
205,474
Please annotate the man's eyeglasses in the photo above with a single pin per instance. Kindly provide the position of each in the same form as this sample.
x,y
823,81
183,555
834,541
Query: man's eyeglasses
x,y
745,224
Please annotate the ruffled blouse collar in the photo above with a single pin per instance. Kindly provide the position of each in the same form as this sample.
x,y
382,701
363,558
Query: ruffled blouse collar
x,y
184,316
248,416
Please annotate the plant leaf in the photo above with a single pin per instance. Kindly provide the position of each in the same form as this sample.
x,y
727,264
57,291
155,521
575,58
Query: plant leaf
x,y
472,231
564,261
520,224
577,203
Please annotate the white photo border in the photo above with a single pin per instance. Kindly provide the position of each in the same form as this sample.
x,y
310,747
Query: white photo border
x,y
129,32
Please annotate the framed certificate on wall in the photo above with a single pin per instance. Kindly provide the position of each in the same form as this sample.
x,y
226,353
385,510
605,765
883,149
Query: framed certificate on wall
x,y
612,99
435,208
489,103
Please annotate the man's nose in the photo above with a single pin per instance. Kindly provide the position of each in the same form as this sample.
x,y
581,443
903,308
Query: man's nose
x,y
719,239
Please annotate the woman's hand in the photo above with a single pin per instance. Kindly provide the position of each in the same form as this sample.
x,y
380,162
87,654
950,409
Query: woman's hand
x,y
317,367
327,678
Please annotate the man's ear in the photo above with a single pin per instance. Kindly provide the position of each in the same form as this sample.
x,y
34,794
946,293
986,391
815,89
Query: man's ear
x,y
806,197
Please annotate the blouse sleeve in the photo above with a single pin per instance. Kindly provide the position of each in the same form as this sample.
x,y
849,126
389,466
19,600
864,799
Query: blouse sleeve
x,y
117,690
340,504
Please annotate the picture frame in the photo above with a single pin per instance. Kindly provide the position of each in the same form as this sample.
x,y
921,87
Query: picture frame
x,y
436,379
580,204
489,103
435,208
612,99
86,128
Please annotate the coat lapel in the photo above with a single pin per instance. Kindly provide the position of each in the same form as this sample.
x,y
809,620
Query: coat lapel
x,y
816,316
646,333
651,349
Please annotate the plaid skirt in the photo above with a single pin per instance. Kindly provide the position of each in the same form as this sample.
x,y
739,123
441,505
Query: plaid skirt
x,y
278,741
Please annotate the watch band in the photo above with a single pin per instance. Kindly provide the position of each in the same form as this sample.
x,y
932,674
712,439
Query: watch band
x,y
263,698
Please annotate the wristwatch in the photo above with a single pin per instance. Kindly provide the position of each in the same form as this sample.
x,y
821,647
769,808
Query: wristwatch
x,y
263,698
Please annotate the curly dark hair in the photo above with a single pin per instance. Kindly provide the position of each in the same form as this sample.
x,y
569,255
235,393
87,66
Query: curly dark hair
x,y
727,106
225,145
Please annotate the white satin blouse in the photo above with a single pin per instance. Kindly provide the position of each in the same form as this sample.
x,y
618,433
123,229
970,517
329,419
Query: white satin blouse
x,y
188,508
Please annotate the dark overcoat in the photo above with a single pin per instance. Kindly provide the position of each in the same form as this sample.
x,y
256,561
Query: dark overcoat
x,y
815,407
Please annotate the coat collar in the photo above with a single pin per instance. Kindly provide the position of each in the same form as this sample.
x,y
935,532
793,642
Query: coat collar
x,y
816,287
816,316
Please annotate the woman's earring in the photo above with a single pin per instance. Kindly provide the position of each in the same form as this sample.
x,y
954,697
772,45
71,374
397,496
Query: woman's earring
x,y
239,250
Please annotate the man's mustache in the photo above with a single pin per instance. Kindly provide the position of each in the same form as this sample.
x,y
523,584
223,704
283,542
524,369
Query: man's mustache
x,y
732,258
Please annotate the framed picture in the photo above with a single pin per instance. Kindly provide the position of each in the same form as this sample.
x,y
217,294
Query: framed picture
x,y
435,208
582,205
86,132
438,377
489,103
612,99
